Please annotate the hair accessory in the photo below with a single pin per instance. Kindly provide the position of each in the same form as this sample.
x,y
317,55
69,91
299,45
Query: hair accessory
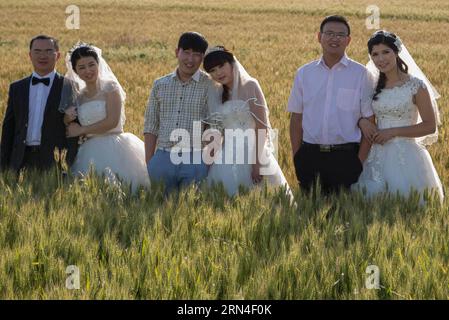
x,y
215,49
397,40
81,44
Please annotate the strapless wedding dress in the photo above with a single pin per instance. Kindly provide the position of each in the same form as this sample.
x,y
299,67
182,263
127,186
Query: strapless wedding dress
x,y
115,155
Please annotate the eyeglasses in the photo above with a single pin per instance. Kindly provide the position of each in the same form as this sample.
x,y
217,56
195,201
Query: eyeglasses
x,y
338,35
46,52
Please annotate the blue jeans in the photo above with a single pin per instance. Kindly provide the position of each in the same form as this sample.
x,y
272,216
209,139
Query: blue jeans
x,y
174,176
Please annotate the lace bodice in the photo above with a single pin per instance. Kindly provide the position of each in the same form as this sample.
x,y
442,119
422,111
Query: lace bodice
x,y
394,107
94,111
235,114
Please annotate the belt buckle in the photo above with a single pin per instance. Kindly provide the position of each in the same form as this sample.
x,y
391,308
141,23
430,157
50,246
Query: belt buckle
x,y
325,148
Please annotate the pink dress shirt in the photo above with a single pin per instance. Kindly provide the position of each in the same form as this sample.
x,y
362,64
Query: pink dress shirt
x,y
331,100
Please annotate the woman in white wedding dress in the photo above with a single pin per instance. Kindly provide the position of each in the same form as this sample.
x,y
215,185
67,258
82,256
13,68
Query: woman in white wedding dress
x,y
238,108
407,115
100,111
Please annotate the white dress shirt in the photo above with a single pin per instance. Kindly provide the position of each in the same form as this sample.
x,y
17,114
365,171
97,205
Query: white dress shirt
x,y
331,100
38,100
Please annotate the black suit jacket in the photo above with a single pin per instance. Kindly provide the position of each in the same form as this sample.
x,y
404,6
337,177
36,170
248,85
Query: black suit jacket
x,y
15,126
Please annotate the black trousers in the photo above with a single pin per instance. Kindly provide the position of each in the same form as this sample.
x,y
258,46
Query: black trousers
x,y
336,169
31,158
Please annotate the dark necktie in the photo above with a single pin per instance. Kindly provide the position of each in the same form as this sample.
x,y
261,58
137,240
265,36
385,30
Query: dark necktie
x,y
45,81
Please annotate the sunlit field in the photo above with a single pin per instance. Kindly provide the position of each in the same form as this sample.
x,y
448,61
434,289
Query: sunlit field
x,y
203,244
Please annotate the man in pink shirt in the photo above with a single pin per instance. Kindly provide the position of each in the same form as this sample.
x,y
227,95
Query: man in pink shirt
x,y
328,98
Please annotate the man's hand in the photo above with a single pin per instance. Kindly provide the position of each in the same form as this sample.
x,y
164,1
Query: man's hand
x,y
255,174
295,132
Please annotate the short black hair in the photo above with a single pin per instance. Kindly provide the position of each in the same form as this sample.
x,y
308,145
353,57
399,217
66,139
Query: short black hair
x,y
82,51
45,37
217,57
335,18
193,40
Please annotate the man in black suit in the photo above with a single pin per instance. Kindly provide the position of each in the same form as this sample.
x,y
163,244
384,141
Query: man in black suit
x,y
33,126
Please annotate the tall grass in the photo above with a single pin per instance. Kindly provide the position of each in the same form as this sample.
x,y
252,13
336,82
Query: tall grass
x,y
202,244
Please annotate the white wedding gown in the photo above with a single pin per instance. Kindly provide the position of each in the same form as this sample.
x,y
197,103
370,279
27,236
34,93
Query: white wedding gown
x,y
115,155
235,114
401,164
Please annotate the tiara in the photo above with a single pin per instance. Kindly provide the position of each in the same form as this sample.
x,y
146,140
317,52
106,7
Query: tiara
x,y
397,40
215,49
81,44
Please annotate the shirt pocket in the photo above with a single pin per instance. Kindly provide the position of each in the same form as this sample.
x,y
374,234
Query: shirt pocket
x,y
346,99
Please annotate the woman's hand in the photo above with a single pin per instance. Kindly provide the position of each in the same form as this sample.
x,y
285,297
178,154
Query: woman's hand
x,y
382,136
74,130
255,174
368,128
70,115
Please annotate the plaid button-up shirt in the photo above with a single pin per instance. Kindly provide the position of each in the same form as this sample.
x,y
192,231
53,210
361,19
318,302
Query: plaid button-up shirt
x,y
174,104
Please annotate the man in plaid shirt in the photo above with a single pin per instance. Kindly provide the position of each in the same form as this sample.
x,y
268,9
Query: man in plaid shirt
x,y
177,104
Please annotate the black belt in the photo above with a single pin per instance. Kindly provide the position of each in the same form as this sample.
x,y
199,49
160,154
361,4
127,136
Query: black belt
x,y
353,146
33,149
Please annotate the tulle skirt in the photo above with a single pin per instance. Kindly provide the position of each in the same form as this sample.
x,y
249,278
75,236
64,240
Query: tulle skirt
x,y
401,165
236,173
115,156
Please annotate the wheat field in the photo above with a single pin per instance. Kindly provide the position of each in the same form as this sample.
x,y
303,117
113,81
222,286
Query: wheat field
x,y
205,245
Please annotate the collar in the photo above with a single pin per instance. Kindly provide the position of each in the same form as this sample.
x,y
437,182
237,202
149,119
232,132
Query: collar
x,y
344,61
51,75
195,77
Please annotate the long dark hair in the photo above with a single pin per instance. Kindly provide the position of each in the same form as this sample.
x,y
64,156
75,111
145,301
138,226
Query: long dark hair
x,y
82,51
218,56
388,39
